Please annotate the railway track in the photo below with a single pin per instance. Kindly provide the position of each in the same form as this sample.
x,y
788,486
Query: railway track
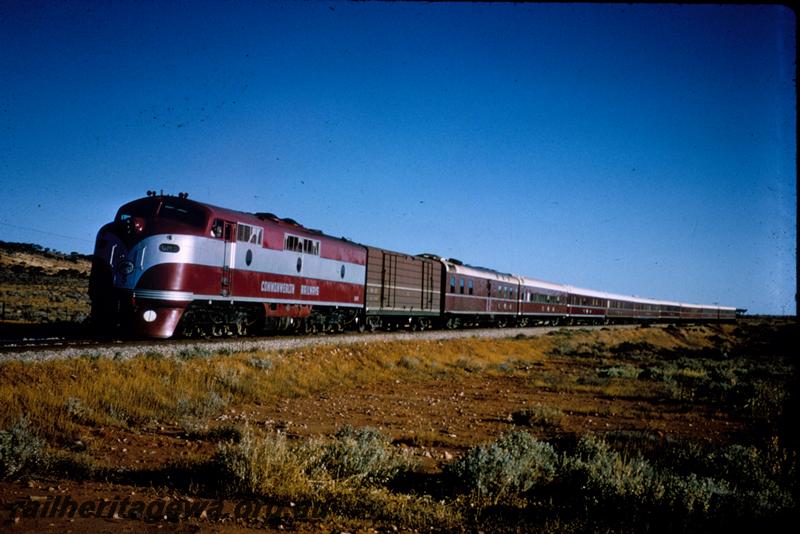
x,y
60,348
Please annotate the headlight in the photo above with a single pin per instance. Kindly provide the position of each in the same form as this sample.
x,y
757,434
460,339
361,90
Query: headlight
x,y
126,267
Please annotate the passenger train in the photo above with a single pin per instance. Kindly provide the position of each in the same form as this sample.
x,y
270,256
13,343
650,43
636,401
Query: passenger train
x,y
169,266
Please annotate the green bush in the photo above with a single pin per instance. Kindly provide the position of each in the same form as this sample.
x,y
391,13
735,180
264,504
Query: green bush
x,y
619,371
271,465
361,456
687,482
538,415
264,465
21,451
512,465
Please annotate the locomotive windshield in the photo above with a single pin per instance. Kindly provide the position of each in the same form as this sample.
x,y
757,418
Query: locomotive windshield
x,y
183,213
168,208
141,208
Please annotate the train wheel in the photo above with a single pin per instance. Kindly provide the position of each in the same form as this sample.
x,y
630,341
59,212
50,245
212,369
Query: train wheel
x,y
374,324
453,323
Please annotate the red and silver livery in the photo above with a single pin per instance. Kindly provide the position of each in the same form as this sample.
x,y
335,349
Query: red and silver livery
x,y
168,265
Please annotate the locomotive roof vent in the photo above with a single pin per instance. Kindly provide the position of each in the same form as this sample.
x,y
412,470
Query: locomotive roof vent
x,y
161,194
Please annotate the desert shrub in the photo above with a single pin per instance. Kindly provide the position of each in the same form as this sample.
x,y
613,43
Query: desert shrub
x,y
202,406
581,349
76,409
761,399
408,362
634,350
620,371
693,494
654,373
630,485
263,364
608,478
468,364
685,482
360,456
193,352
512,465
511,365
21,450
538,415
264,465
760,479
271,465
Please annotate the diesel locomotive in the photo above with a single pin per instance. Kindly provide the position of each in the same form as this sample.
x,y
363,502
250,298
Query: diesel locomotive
x,y
167,265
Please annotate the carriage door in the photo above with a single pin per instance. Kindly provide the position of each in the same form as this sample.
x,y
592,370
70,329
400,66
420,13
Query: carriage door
x,y
389,299
228,257
427,286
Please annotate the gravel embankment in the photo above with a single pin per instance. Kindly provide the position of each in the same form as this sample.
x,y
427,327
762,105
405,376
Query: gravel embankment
x,y
125,350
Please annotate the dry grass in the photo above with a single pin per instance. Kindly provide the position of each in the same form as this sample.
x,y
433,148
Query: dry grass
x,y
43,286
61,396
62,400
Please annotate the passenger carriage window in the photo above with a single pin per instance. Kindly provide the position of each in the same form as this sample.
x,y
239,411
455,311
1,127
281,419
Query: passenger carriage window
x,y
471,289
452,284
461,284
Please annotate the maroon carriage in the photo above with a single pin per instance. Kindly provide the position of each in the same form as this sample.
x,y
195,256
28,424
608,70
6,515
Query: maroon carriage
x,y
474,295
542,302
586,305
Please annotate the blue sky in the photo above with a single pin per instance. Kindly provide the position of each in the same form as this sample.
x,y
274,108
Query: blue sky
x,y
639,149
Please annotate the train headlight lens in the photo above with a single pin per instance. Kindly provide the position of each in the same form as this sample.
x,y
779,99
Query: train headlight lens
x,y
168,247
149,316
126,267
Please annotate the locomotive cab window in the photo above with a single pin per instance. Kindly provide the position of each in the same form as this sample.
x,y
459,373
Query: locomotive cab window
x,y
248,234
